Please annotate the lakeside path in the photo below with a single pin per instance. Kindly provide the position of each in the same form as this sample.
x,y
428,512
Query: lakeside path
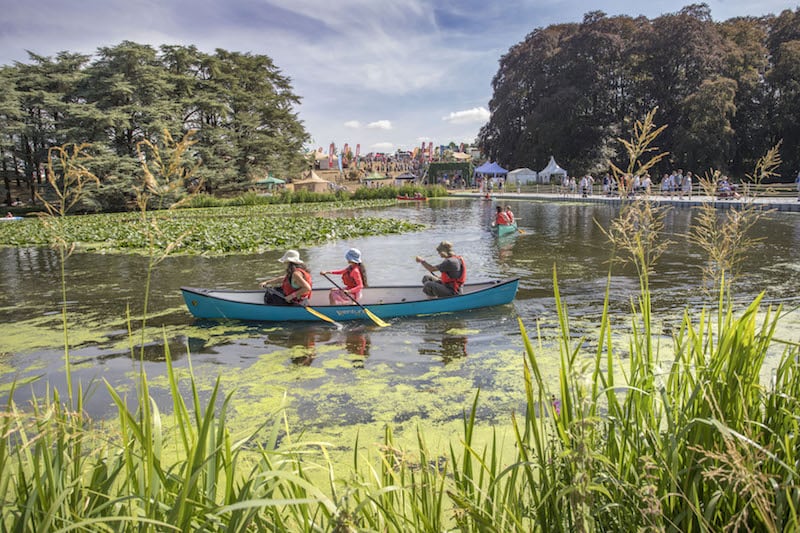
x,y
775,203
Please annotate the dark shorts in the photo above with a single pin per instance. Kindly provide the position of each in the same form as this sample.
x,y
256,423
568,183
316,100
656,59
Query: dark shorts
x,y
275,296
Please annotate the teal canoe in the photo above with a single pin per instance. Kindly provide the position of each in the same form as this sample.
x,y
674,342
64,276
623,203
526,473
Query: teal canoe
x,y
505,229
384,302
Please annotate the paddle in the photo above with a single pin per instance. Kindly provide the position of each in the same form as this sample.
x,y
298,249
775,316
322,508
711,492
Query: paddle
x,y
323,317
369,313
314,312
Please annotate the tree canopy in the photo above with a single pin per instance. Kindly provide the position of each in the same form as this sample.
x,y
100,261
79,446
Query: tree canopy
x,y
727,91
239,107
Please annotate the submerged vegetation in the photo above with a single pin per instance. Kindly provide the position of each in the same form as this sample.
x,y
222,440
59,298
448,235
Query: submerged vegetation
x,y
637,434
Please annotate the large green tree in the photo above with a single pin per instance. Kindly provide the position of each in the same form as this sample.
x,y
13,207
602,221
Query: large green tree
x,y
239,107
727,91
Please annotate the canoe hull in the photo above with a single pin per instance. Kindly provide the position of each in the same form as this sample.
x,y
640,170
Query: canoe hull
x,y
505,229
384,302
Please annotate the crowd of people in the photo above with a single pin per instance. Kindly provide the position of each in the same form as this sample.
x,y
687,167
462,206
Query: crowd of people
x,y
673,184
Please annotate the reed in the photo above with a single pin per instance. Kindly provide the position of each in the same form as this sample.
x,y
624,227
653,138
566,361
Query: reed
x,y
637,433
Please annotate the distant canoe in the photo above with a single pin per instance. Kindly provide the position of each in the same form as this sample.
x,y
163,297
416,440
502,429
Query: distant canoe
x,y
505,229
384,302
10,219
412,198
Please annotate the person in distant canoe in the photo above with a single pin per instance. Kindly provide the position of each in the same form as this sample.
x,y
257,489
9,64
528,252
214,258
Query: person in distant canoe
x,y
354,278
501,218
453,272
295,287
509,214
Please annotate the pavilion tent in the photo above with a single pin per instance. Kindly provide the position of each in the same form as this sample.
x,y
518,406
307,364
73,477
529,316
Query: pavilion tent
x,y
491,169
311,182
521,176
551,171
406,178
270,181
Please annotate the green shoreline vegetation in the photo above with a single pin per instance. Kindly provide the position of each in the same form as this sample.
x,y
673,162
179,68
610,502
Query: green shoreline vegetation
x,y
635,434
214,231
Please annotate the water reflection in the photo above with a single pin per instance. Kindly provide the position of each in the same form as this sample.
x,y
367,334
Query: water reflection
x,y
446,346
305,341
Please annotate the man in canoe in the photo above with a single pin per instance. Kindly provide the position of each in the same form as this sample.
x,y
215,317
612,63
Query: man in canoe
x,y
453,272
295,287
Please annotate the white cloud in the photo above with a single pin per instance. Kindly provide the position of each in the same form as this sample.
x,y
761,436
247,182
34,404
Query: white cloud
x,y
380,125
353,124
468,116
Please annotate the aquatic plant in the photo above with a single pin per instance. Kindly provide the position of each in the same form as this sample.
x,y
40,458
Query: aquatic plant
x,y
725,240
214,231
68,178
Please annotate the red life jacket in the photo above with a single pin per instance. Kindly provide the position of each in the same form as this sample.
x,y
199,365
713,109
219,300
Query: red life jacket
x,y
456,283
347,277
287,288
502,219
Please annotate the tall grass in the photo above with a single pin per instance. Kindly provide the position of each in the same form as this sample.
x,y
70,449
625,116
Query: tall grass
x,y
638,433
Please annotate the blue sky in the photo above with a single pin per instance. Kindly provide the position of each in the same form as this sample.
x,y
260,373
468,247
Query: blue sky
x,y
383,74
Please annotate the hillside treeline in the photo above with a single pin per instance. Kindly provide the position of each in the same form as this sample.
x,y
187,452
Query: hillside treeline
x,y
240,106
727,91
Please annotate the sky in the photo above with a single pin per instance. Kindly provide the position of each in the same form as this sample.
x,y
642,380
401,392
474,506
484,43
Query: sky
x,y
385,74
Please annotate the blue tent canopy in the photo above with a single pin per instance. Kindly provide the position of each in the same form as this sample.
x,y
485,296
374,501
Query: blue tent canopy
x,y
490,168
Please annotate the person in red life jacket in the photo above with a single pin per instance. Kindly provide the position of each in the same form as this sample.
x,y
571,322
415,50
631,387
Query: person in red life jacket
x,y
509,214
453,272
295,287
500,218
354,278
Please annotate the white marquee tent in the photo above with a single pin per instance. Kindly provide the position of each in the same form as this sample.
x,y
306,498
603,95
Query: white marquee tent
x,y
521,176
551,171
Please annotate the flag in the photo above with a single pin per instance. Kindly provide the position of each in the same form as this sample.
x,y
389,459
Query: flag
x,y
358,151
330,155
430,151
340,162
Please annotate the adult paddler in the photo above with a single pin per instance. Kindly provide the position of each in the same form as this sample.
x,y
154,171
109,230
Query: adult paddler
x,y
295,287
453,272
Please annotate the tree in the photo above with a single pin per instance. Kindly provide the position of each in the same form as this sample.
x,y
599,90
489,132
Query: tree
x,y
705,137
746,62
784,80
11,126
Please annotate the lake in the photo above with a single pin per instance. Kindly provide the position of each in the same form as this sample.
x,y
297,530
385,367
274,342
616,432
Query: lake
x,y
336,382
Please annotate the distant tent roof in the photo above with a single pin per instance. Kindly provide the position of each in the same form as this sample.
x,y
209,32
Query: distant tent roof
x,y
310,177
269,180
490,168
461,155
377,176
406,176
521,175
552,168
